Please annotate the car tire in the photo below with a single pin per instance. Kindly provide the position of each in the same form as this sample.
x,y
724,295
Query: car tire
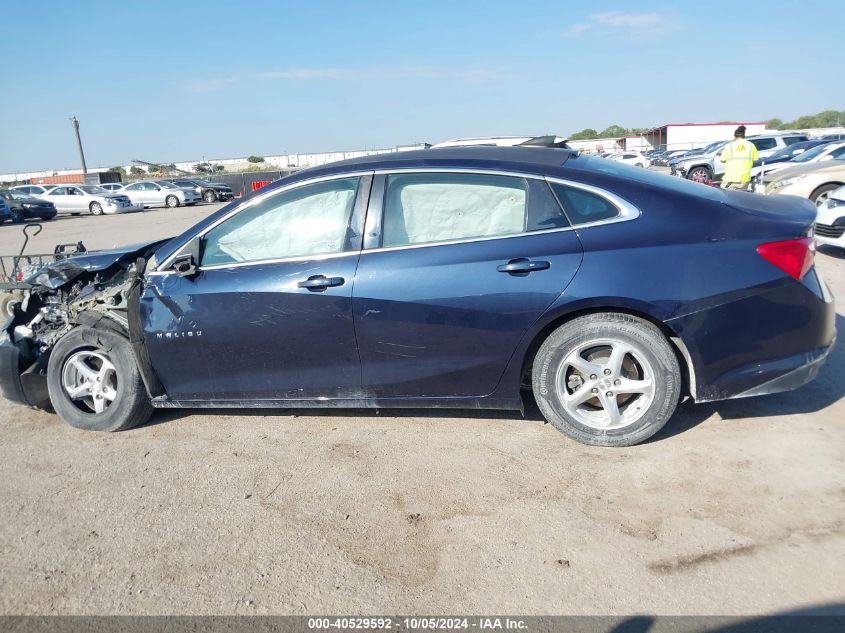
x,y
8,302
103,360
627,369
209,196
96,208
17,216
171,202
701,173
820,194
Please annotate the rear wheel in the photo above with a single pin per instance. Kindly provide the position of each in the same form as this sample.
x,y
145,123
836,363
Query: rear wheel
x,y
171,202
821,194
94,382
17,216
607,379
701,173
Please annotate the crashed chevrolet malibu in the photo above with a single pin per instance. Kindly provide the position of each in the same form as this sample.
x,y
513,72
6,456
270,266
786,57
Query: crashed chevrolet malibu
x,y
459,278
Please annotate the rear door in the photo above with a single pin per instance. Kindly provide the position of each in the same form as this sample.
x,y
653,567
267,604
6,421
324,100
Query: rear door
x,y
59,197
456,267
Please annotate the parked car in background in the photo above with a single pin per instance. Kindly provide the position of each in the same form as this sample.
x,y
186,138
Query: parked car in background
x,y
611,291
814,181
159,193
830,219
781,158
32,190
834,137
5,213
631,158
78,199
664,158
708,167
112,186
208,191
23,207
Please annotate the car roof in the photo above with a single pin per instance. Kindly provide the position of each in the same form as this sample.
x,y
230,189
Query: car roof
x,y
527,159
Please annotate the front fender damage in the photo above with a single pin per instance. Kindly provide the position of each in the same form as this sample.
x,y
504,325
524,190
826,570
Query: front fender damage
x,y
63,296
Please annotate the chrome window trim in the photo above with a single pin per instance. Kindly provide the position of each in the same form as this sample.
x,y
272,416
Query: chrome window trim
x,y
627,211
253,201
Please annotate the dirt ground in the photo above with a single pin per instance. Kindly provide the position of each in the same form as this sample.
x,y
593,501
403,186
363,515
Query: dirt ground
x,y
735,508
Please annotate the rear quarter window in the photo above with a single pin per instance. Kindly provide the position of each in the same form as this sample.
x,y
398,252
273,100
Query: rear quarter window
x,y
582,206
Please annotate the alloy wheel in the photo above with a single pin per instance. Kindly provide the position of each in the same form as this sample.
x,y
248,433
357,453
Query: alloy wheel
x,y
90,380
96,209
822,198
606,384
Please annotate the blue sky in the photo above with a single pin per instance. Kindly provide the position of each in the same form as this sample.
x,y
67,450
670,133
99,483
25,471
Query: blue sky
x,y
167,81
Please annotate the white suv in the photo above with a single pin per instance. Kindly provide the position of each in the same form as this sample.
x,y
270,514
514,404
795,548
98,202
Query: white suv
x,y
707,167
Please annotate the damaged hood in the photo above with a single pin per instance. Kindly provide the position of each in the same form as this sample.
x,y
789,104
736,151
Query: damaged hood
x,y
62,271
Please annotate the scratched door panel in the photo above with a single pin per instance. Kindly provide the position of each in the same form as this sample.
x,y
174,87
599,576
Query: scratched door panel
x,y
250,332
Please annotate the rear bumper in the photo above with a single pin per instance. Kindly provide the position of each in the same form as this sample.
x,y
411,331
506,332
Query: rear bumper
x,y
765,343
806,368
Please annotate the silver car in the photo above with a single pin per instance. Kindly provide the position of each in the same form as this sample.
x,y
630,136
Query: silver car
x,y
112,186
159,193
78,199
32,190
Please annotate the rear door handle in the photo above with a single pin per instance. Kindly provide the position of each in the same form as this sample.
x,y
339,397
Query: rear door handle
x,y
523,265
320,282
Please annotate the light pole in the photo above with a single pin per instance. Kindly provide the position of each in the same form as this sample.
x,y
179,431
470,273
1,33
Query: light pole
x,y
75,123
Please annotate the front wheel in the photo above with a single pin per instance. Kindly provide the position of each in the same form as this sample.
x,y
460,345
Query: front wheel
x,y
700,174
94,382
209,196
821,194
171,202
96,208
607,379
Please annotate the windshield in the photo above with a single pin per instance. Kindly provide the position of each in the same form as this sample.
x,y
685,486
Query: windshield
x,y
166,185
93,189
810,154
15,195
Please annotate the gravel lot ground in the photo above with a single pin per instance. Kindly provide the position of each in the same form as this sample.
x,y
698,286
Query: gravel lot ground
x,y
735,508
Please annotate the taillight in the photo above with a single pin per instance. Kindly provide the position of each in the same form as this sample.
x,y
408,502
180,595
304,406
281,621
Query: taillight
x,y
794,257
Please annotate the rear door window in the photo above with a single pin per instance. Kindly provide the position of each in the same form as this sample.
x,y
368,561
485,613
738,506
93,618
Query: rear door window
x,y
763,144
444,207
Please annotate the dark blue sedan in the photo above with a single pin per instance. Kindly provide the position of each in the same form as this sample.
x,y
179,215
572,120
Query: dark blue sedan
x,y
457,278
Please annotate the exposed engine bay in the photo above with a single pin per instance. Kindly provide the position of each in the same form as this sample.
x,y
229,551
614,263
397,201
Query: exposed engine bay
x,y
91,289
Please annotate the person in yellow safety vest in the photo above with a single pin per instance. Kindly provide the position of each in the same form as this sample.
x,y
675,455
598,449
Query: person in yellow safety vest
x,y
739,155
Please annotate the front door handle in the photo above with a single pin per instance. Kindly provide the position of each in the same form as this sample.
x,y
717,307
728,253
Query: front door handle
x,y
523,265
320,282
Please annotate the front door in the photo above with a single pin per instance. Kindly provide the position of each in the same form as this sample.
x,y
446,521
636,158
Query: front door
x,y
269,314
464,263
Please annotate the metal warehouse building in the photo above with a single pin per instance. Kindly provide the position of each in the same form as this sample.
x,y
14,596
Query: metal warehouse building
x,y
692,135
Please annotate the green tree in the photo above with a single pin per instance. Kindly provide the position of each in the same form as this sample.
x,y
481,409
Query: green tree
x,y
118,170
255,159
613,131
774,124
584,134
136,171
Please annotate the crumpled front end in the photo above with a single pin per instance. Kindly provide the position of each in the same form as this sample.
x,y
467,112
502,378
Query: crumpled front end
x,y
93,289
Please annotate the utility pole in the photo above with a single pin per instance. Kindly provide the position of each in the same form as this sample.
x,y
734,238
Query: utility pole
x,y
75,122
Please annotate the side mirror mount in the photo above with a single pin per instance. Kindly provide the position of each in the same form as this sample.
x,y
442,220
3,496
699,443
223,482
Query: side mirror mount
x,y
186,263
